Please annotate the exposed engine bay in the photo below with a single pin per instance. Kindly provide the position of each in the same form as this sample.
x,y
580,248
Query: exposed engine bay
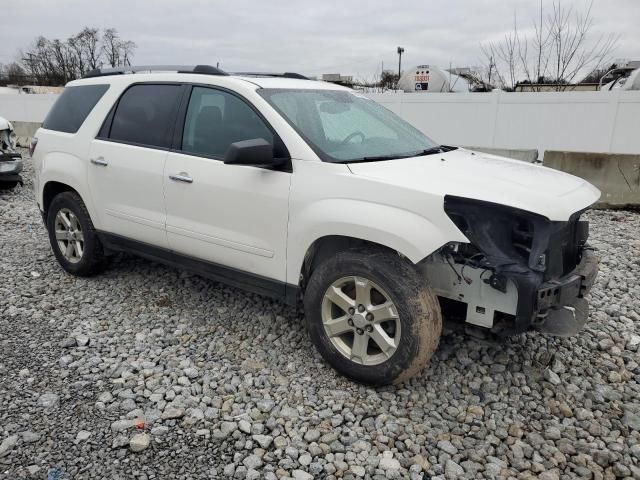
x,y
519,271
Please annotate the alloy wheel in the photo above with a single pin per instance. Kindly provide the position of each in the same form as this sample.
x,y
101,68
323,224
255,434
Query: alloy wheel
x,y
69,235
361,320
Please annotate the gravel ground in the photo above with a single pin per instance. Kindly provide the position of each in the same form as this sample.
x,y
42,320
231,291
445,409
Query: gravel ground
x,y
148,372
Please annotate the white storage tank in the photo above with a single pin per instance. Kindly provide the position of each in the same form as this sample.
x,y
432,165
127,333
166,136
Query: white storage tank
x,y
430,78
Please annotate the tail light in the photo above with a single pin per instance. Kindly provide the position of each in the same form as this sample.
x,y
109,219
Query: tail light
x,y
32,146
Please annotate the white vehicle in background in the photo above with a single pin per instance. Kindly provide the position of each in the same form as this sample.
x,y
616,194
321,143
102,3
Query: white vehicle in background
x,y
623,78
10,160
295,188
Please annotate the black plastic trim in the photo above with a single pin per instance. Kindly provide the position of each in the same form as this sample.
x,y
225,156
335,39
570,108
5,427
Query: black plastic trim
x,y
199,69
282,291
294,75
14,177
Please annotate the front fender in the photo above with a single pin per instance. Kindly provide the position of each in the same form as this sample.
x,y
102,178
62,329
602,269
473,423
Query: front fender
x,y
410,234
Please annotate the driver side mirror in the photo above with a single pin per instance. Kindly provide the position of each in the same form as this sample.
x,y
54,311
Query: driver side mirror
x,y
256,152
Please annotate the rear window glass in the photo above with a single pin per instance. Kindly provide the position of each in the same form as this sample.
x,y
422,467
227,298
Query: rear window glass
x,y
72,107
145,115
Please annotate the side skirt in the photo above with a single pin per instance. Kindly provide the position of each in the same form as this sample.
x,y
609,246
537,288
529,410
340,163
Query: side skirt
x,y
282,291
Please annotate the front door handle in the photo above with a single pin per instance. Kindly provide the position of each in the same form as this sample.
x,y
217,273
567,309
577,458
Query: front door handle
x,y
99,161
181,177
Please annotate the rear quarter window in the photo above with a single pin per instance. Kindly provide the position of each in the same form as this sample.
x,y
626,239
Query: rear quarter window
x,y
72,107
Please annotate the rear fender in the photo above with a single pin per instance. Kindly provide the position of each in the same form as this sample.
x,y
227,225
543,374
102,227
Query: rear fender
x,y
70,170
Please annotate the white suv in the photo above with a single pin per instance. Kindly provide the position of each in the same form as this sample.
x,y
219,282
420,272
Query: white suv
x,y
287,187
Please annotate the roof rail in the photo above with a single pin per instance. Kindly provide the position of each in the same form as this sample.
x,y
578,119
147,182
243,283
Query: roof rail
x,y
265,74
202,69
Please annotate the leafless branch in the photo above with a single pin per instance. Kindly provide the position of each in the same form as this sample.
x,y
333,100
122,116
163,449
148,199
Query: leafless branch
x,y
561,48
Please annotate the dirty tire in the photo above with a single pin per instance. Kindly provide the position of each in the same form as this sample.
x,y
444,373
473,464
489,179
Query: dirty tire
x,y
92,260
418,309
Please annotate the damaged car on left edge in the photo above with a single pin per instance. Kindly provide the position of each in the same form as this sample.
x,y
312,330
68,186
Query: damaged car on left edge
x,y
10,159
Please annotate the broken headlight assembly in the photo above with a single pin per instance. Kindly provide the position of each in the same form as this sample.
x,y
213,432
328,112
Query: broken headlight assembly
x,y
510,239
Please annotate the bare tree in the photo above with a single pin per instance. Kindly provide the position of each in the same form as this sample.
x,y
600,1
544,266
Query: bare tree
x,y
118,52
489,74
89,39
127,49
560,48
55,62
111,46
79,58
63,58
388,80
12,74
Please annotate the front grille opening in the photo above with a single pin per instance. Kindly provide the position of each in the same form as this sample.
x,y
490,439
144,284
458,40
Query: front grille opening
x,y
522,237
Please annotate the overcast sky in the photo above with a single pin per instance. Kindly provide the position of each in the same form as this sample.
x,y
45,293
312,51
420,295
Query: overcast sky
x,y
325,36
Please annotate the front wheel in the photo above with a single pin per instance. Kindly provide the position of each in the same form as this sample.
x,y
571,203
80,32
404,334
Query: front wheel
x,y
372,317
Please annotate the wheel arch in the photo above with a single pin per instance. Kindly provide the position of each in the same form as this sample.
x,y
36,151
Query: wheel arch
x,y
325,247
51,189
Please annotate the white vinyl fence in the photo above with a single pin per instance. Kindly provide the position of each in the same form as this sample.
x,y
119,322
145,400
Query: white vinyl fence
x,y
604,122
26,107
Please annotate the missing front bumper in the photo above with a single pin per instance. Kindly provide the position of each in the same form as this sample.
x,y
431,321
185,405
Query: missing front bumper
x,y
557,307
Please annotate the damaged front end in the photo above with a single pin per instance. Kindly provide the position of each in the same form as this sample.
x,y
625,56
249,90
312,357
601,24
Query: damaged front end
x,y
519,271
10,159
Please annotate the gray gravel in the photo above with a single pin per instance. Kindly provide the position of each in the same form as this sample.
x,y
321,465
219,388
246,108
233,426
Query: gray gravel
x,y
149,372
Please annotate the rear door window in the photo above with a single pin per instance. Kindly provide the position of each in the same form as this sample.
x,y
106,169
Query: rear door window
x,y
146,114
72,107
216,119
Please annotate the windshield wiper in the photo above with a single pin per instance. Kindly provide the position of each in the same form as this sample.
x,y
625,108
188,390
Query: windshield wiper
x,y
380,157
392,157
431,151
419,153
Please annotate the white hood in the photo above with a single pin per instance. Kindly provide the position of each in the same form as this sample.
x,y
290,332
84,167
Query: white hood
x,y
463,173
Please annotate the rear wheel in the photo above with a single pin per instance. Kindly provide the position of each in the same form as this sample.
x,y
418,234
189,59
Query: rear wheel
x,y
372,317
73,238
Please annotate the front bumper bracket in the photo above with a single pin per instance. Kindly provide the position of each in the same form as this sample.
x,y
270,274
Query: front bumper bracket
x,y
562,309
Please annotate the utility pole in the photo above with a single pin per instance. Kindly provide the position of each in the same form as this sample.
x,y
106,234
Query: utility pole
x,y
400,52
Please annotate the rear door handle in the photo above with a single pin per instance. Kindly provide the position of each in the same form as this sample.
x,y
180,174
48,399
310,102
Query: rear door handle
x,y
99,161
181,177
